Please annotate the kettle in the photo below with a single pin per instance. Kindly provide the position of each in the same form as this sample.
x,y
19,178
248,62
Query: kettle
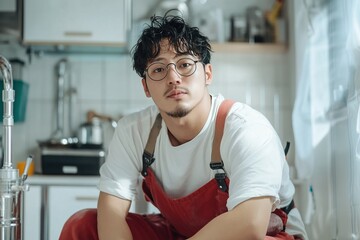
x,y
91,132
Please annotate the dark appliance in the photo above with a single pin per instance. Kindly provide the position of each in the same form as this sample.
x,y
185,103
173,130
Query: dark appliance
x,y
67,161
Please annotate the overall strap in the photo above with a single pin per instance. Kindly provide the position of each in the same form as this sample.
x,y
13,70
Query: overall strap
x,y
148,154
216,161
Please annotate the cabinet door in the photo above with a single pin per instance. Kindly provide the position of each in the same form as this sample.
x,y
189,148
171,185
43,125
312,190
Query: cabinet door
x,y
32,211
65,201
82,21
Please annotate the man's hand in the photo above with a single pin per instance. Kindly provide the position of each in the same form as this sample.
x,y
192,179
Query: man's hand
x,y
275,225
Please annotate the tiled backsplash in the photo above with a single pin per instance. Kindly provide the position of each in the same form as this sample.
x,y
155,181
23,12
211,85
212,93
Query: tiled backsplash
x,y
108,85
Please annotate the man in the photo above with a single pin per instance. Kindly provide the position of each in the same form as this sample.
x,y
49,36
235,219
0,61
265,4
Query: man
x,y
245,193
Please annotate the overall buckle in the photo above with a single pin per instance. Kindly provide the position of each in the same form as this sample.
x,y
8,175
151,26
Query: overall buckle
x,y
148,159
220,175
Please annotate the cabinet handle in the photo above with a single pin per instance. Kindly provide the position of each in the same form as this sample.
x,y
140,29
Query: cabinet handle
x,y
77,34
86,198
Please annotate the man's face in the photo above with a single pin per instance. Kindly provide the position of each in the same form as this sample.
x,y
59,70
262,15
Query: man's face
x,y
177,95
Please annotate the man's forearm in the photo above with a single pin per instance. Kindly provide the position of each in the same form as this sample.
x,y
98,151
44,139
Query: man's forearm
x,y
247,221
114,230
111,218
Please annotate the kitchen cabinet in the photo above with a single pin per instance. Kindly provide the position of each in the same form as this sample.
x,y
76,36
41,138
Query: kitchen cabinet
x,y
64,201
51,200
61,203
32,210
81,22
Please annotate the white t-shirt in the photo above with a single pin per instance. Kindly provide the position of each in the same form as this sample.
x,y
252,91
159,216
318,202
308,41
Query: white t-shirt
x,y
252,153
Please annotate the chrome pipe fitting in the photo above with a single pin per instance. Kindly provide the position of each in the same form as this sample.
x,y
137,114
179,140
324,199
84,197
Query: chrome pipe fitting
x,y
12,185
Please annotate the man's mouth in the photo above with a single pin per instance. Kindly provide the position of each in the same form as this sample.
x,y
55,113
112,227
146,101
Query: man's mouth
x,y
175,93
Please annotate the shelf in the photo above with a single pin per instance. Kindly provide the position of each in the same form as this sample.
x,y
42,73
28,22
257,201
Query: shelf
x,y
239,47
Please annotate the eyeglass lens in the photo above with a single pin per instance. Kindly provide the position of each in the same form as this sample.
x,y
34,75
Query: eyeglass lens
x,y
185,67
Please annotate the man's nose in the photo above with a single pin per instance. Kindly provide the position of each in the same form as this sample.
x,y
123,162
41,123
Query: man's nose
x,y
172,75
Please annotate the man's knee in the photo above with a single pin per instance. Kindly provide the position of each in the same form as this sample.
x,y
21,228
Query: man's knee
x,y
81,225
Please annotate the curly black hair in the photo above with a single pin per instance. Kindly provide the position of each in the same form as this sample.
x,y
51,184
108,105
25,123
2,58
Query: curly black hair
x,y
182,37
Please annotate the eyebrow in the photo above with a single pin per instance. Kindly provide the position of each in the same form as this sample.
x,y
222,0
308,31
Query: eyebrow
x,y
157,59
182,54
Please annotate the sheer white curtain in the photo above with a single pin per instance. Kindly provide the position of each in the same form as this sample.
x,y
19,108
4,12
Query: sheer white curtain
x,y
326,116
353,46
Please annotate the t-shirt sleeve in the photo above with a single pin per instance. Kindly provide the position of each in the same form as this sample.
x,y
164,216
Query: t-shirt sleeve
x,y
119,175
256,159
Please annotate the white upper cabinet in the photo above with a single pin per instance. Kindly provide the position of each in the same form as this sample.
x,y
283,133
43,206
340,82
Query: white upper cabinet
x,y
76,22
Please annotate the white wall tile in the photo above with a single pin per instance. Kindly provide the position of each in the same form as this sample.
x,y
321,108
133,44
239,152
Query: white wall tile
x,y
116,79
109,86
41,76
91,81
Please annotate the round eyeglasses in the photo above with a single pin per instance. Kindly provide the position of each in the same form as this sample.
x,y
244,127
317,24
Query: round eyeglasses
x,y
158,71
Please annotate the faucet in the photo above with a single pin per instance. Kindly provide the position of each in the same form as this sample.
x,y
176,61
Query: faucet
x,y
11,185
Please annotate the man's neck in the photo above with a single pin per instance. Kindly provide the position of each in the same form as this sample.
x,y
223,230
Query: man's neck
x,y
182,130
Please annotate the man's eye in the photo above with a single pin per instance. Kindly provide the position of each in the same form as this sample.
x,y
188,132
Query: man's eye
x,y
158,70
185,65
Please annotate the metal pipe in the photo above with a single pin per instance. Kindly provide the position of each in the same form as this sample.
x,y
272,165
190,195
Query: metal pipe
x,y
11,185
8,119
60,99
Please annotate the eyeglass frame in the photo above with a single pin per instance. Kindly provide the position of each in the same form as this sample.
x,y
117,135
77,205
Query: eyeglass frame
x,y
176,70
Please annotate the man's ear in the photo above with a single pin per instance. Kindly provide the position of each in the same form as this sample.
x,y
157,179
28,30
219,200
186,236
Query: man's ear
x,y
208,74
146,89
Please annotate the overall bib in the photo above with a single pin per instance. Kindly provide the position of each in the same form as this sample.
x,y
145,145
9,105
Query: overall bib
x,y
180,218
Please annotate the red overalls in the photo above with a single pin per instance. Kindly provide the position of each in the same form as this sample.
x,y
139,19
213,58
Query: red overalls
x,y
180,218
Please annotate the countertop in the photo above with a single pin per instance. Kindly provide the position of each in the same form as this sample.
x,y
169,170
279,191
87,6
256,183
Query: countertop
x,y
62,180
